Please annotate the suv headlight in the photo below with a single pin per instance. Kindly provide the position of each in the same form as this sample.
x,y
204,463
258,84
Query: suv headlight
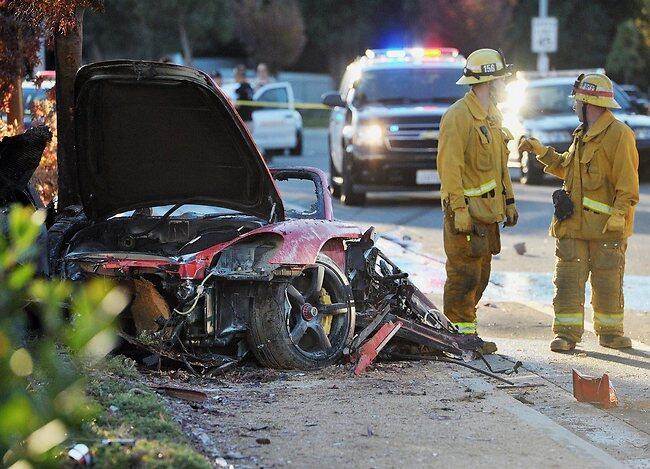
x,y
550,136
642,133
369,136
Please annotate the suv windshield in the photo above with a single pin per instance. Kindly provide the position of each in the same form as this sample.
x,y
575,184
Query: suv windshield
x,y
408,85
554,99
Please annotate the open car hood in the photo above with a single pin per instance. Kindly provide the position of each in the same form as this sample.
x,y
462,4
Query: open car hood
x,y
150,134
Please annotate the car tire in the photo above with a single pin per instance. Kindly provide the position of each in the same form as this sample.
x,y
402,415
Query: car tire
x,y
335,189
58,237
348,195
279,334
531,173
297,150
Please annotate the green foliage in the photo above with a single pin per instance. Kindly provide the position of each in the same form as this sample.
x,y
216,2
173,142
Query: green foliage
x,y
627,61
273,31
586,31
140,415
42,394
149,29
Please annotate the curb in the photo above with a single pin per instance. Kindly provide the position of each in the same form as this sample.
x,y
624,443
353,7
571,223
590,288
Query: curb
x,y
540,421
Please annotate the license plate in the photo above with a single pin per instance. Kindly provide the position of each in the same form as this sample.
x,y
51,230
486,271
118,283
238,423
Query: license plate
x,y
427,176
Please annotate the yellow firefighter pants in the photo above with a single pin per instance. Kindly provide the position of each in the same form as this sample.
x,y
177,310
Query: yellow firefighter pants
x,y
575,260
468,271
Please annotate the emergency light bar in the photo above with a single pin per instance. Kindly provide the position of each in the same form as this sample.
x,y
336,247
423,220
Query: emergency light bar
x,y
413,53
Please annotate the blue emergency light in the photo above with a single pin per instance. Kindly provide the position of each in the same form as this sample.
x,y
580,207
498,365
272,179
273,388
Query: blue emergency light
x,y
414,53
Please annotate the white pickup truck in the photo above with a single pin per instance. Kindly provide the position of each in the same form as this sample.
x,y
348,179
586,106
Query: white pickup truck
x,y
275,129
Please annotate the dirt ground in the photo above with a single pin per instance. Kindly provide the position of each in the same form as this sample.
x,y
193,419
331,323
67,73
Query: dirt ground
x,y
408,414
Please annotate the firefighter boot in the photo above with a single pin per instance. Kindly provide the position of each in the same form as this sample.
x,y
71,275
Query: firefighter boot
x,y
615,341
562,344
488,348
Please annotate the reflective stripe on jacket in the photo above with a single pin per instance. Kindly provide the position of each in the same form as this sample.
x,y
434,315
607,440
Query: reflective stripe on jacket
x,y
600,171
473,160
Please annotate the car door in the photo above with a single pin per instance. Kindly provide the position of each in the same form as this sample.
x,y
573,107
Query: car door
x,y
339,118
274,122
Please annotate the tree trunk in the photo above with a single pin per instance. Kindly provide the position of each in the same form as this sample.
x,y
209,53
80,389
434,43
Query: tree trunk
x,y
68,61
16,113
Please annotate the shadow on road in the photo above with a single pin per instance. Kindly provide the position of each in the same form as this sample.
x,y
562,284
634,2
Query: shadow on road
x,y
644,364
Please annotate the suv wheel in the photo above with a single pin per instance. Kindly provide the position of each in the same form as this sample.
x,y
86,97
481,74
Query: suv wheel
x,y
335,189
531,173
348,195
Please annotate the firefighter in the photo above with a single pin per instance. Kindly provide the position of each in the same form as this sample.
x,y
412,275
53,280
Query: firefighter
x,y
476,188
594,215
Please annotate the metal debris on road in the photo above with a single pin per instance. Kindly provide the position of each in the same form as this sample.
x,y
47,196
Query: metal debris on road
x,y
182,393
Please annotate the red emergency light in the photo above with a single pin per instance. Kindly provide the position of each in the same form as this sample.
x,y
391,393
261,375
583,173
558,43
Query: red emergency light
x,y
413,53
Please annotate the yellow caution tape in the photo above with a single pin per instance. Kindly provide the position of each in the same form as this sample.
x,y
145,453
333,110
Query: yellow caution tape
x,y
281,105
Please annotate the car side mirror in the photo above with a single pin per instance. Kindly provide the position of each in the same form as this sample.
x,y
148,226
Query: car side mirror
x,y
333,99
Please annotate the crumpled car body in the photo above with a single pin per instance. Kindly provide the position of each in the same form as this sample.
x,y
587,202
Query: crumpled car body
x,y
178,206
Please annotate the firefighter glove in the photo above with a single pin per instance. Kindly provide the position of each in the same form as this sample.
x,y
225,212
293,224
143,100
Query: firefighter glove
x,y
533,145
462,220
512,216
615,223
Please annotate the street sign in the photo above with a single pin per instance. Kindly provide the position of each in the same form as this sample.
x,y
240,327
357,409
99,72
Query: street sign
x,y
543,36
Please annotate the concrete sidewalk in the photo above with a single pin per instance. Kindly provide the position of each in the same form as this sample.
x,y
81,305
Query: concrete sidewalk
x,y
523,333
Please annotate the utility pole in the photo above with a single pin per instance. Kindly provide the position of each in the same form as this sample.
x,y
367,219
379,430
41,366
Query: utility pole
x,y
542,57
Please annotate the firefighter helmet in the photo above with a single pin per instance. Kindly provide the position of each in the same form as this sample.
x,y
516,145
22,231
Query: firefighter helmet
x,y
484,65
595,89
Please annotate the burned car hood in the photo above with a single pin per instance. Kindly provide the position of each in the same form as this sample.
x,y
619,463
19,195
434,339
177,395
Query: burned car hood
x,y
150,134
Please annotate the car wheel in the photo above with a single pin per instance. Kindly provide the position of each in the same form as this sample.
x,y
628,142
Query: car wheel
x,y
335,189
348,195
57,240
531,173
297,150
306,323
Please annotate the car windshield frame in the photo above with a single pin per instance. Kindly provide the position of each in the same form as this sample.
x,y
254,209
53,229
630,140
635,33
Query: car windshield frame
x,y
563,94
196,210
408,85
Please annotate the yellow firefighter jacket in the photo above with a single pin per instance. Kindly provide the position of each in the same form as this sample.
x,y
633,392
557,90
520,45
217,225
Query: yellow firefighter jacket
x,y
600,172
472,160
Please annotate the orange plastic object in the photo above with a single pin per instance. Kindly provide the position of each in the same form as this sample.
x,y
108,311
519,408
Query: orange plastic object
x,y
597,391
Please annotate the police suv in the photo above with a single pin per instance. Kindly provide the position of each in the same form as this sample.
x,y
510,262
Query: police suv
x,y
383,129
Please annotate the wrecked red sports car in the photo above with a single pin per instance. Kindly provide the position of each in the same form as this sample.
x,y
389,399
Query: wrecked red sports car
x,y
179,206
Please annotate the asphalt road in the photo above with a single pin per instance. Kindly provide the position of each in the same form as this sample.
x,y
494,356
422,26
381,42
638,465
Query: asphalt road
x,y
416,218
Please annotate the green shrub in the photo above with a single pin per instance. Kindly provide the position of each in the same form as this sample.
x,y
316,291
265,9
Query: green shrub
x,y
42,391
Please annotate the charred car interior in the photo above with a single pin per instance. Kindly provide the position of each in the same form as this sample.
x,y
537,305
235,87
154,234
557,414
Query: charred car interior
x,y
181,210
